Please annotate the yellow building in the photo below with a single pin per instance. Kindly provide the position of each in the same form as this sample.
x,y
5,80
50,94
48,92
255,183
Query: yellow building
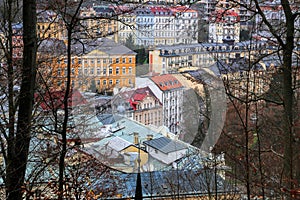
x,y
50,25
101,22
98,65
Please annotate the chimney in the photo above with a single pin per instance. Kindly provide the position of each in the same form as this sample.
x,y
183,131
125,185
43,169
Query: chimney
x,y
136,138
149,137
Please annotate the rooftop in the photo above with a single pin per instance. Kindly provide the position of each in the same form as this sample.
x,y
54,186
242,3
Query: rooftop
x,y
166,82
102,44
165,145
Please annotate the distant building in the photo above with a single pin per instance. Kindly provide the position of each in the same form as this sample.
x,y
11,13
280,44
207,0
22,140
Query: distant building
x,y
50,25
96,65
224,25
170,58
165,149
101,21
140,105
145,22
158,25
172,100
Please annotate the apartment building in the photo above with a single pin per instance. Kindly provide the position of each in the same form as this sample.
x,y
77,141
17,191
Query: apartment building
x,y
145,23
172,100
139,104
185,25
126,23
158,25
98,65
99,21
169,59
224,25
50,25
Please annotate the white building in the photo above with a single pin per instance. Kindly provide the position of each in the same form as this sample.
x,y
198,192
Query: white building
x,y
144,27
172,100
165,149
159,25
185,25
224,25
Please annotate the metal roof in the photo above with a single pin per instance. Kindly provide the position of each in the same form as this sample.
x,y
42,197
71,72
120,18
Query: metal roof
x,y
165,145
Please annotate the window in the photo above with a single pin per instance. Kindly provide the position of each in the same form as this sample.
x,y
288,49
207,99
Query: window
x,y
65,71
104,60
85,71
117,81
104,82
129,81
58,72
104,70
124,60
117,60
130,70
110,60
130,60
79,72
98,82
110,82
79,61
98,71
117,70
98,61
92,61
73,71
123,70
110,70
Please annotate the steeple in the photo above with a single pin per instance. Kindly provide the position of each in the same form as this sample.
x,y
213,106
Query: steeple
x,y
138,189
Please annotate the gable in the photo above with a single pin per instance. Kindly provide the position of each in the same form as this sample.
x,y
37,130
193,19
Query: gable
x,y
96,53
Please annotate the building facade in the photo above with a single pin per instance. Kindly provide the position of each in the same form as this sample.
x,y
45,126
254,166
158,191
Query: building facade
x,y
98,66
170,59
224,25
140,105
172,100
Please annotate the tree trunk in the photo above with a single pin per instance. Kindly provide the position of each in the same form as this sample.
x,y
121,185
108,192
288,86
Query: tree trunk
x,y
20,145
288,95
65,122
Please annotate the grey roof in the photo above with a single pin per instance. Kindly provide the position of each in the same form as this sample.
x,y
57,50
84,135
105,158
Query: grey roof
x,y
159,184
165,145
52,46
103,44
106,119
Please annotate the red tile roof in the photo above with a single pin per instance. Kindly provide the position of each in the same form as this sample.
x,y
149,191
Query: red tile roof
x,y
157,10
139,94
220,15
166,82
182,9
54,99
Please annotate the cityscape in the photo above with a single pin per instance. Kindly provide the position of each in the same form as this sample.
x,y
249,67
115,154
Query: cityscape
x,y
140,99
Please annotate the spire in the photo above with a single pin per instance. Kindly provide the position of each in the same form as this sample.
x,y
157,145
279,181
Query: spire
x,y
138,189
